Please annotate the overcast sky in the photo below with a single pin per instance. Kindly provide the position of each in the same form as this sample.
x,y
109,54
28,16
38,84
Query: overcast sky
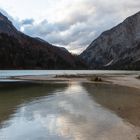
x,y
73,24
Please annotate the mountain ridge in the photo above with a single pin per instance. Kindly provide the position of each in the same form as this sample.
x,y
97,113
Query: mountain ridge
x,y
117,48
20,51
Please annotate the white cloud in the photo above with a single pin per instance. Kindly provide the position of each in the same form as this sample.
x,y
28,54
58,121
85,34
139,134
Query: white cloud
x,y
73,24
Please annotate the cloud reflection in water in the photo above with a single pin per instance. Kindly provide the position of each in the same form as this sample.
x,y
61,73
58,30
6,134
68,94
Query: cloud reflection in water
x,y
67,114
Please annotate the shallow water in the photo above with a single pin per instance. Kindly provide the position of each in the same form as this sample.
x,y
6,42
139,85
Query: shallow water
x,y
9,73
69,111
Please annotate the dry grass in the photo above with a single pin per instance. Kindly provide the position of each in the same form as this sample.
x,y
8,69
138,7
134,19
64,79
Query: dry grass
x,y
96,79
69,76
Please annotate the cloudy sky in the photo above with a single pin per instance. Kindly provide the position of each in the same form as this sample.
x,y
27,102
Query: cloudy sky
x,y
73,24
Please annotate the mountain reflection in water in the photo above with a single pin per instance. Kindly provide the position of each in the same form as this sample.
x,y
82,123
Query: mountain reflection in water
x,y
69,111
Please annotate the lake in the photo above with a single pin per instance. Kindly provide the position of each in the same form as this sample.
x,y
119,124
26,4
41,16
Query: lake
x,y
9,73
69,111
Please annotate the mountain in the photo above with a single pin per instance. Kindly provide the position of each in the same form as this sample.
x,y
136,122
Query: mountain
x,y
117,48
19,51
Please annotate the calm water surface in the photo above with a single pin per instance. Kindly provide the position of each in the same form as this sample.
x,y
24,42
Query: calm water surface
x,y
69,111
8,73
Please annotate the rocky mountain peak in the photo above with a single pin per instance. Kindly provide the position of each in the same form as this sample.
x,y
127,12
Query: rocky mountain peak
x,y
3,18
116,45
7,27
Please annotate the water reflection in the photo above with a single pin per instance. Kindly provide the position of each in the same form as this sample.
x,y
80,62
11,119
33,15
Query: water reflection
x,y
121,100
62,112
12,96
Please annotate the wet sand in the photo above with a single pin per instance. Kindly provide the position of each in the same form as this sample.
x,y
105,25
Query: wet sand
x,y
119,100
69,110
123,80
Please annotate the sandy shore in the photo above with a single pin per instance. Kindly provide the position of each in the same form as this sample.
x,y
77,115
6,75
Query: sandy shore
x,y
121,79
123,106
125,80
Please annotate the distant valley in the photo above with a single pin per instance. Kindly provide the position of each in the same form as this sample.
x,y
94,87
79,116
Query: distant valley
x,y
117,48
19,51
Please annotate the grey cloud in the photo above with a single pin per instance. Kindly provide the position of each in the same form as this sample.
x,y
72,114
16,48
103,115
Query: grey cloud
x,y
27,22
82,25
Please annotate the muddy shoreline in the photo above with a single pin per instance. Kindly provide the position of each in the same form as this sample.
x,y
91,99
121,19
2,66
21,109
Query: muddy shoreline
x,y
128,80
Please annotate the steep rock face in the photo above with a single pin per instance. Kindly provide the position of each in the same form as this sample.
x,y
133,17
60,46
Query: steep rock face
x,y
117,48
7,27
19,51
